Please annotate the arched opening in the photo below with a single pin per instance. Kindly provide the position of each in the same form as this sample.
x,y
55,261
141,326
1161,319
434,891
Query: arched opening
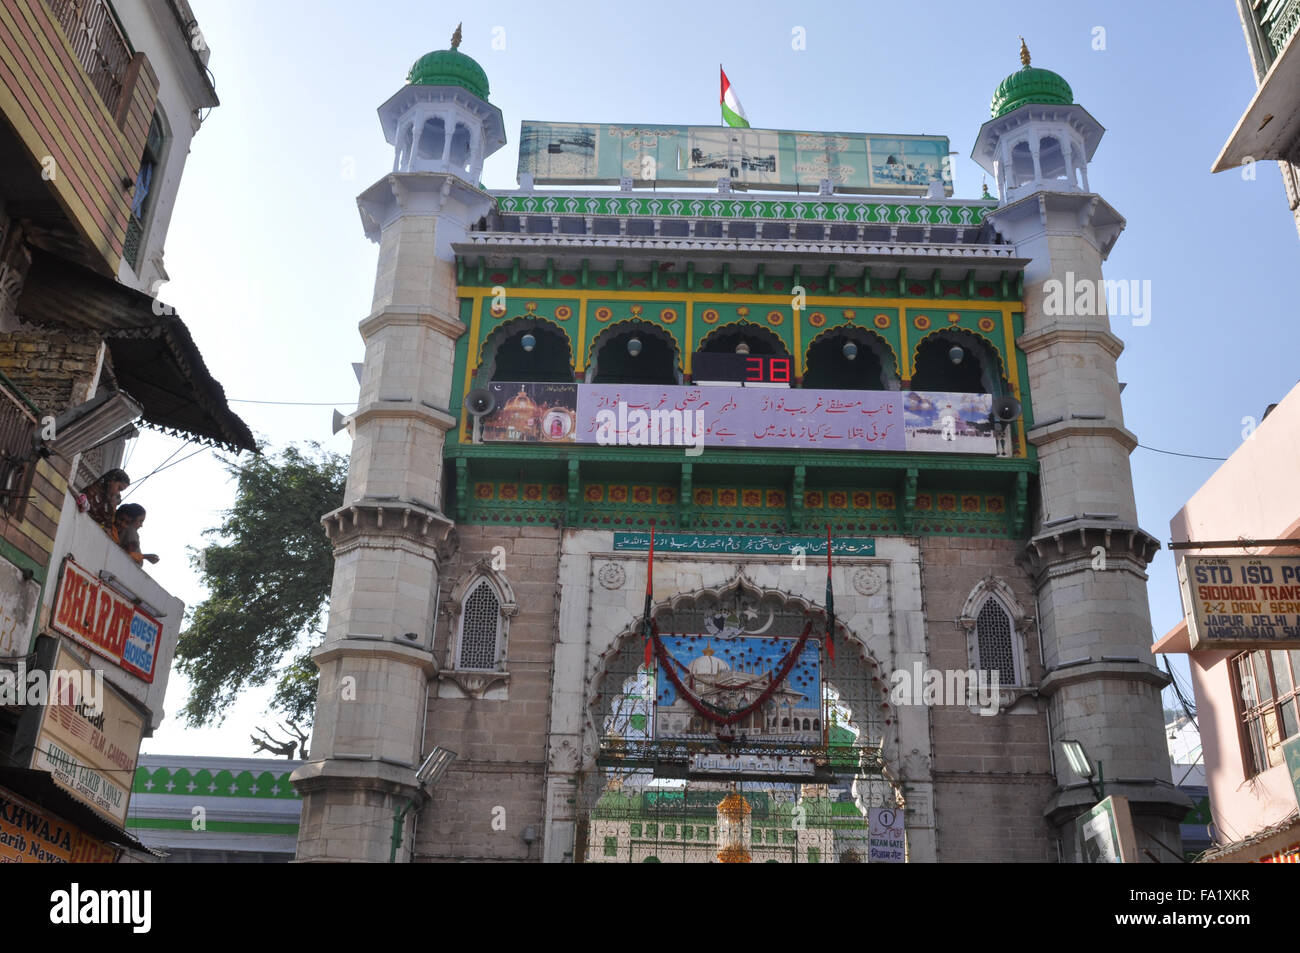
x,y
636,791
1051,159
956,362
1022,165
850,359
634,353
432,139
744,338
527,350
460,147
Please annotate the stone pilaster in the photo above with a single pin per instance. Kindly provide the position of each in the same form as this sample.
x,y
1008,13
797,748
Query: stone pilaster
x,y
1087,555
377,657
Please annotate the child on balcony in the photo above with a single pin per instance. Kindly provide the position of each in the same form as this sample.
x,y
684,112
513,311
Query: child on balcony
x,y
130,517
102,498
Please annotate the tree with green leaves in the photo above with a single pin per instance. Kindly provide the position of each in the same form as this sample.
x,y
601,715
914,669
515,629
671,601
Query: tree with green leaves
x,y
267,570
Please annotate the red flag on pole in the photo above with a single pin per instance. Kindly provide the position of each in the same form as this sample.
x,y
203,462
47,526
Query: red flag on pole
x,y
649,599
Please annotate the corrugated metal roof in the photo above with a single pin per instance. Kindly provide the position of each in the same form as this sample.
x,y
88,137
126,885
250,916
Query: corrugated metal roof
x,y
154,357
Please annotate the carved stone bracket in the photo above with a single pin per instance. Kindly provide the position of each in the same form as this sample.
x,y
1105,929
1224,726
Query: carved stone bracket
x,y
412,519
474,684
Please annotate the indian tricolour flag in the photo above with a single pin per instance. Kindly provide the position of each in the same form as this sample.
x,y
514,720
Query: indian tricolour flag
x,y
733,114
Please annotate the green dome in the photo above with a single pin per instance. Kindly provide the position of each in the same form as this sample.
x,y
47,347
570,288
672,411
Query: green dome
x,y
1030,85
449,68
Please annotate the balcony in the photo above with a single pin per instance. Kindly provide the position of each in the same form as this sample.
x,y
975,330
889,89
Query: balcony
x,y
96,557
98,44
84,104
1270,126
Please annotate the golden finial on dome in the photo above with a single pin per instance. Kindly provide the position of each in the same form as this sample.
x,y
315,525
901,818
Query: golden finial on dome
x,y
455,37
1024,52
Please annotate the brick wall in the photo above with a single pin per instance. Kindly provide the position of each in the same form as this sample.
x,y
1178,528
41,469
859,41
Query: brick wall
x,y
496,786
992,773
54,372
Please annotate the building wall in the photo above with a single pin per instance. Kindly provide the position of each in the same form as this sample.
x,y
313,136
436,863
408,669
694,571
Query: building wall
x,y
54,372
1250,495
992,773
49,100
182,91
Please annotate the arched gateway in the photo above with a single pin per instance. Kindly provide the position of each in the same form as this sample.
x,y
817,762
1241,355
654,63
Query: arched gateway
x,y
742,740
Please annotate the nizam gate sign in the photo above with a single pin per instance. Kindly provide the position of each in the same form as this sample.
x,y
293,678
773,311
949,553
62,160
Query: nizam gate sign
x,y
1241,602
95,614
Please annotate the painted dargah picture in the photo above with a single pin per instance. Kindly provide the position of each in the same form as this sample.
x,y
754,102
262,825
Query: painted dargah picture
x,y
562,464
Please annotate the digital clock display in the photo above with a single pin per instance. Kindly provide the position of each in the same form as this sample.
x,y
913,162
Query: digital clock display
x,y
741,368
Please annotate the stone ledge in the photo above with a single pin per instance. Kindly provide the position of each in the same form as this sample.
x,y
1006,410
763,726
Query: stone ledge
x,y
1101,669
397,316
376,648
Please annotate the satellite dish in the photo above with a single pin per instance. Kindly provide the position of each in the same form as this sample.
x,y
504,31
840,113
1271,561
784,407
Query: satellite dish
x,y
480,402
1006,409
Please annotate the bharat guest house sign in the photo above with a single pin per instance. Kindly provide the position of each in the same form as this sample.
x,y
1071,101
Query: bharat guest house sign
x,y
103,619
1241,602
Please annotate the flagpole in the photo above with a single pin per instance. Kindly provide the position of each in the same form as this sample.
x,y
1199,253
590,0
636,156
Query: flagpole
x,y
649,600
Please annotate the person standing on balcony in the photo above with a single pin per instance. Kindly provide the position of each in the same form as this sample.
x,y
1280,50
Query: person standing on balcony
x,y
102,498
130,517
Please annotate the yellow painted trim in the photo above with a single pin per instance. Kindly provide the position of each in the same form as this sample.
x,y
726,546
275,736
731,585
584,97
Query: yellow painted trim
x,y
1009,343
690,334
581,356
471,359
797,329
905,358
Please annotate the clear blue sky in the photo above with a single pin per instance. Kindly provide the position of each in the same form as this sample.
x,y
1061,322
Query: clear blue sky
x,y
271,272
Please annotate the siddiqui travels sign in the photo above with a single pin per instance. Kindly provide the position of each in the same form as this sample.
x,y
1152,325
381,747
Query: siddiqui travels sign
x,y
570,153
103,619
1241,602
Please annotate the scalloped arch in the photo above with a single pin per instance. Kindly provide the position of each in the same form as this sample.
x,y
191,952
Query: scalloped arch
x,y
608,332
983,344
885,346
487,359
745,326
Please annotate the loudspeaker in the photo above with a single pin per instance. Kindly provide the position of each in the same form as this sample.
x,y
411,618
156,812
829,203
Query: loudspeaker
x,y
1006,409
340,421
480,402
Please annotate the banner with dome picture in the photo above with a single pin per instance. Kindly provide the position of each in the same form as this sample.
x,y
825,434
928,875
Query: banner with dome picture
x,y
728,682
533,413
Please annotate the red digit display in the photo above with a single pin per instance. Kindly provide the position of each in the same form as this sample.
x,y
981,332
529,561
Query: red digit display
x,y
779,370
754,369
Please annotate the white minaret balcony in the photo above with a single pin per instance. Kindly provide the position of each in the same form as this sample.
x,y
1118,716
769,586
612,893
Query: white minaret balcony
x,y
441,129
1038,148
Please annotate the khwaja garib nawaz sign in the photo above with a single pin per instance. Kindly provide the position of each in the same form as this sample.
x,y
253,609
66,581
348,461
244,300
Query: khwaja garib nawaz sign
x,y
648,415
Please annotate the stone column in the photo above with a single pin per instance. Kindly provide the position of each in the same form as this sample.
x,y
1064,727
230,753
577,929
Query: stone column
x,y
1088,555
376,659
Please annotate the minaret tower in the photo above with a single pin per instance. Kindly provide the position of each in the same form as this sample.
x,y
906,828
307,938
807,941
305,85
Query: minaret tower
x,y
1087,556
377,657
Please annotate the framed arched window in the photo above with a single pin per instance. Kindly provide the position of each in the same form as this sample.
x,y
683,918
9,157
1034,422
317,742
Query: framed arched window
x,y
479,643
995,636
479,609
996,627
